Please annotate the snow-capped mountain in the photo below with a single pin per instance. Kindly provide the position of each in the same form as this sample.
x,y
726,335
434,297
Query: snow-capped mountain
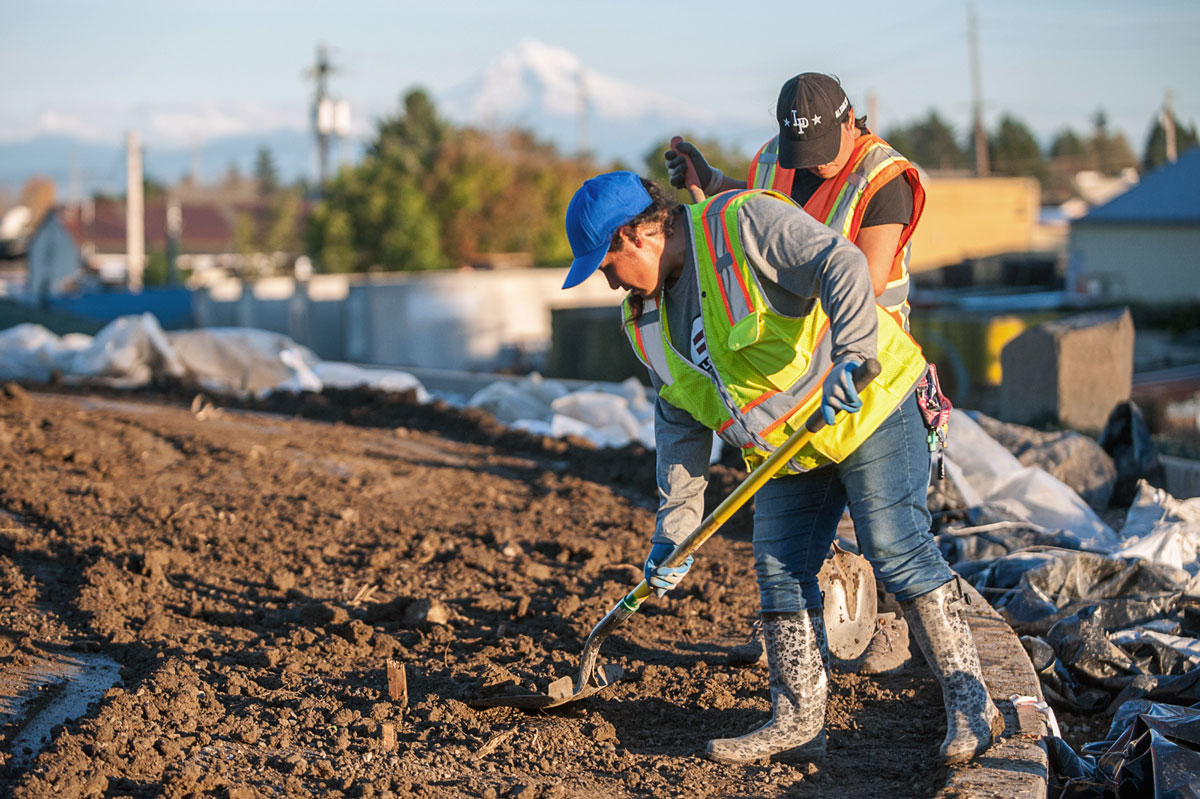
x,y
550,91
541,88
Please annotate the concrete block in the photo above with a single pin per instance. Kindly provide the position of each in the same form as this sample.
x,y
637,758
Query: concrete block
x,y
1071,371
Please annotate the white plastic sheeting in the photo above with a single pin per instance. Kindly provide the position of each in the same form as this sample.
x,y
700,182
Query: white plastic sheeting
x,y
128,352
989,476
1162,529
606,414
134,350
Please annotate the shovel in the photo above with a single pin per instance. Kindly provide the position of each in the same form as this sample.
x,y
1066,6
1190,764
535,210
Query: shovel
x,y
592,678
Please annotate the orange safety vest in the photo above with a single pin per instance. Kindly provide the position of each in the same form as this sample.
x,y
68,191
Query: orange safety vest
x,y
841,201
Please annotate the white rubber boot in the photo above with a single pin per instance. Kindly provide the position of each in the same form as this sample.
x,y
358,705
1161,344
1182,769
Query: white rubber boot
x,y
972,719
796,731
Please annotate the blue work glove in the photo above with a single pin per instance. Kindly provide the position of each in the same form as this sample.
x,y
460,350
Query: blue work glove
x,y
659,578
838,392
677,167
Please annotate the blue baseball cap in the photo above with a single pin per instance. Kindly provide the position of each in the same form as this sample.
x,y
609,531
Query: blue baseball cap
x,y
600,206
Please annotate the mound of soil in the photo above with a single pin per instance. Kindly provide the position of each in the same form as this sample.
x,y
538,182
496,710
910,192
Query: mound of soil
x,y
253,574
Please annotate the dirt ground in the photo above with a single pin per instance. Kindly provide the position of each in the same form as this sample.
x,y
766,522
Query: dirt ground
x,y
253,573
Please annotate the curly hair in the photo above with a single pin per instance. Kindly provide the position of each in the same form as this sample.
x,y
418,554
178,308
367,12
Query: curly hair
x,y
661,216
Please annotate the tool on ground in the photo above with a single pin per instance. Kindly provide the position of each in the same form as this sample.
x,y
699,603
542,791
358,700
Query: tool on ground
x,y
692,180
590,678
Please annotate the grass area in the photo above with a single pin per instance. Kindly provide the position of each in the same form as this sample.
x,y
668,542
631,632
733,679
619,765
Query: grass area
x,y
15,313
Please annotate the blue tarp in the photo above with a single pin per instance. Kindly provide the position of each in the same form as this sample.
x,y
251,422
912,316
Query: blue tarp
x,y
172,307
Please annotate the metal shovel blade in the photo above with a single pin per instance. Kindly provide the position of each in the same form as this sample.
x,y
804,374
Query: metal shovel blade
x,y
560,692
848,585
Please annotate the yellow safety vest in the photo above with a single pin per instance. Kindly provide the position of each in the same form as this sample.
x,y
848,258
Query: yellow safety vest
x,y
841,201
760,373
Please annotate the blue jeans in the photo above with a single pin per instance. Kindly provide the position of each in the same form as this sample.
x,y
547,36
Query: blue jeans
x,y
884,481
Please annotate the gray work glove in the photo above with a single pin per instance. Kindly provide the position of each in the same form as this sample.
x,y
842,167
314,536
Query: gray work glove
x,y
660,578
709,177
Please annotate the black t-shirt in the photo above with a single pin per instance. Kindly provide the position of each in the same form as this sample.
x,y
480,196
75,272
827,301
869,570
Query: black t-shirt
x,y
892,204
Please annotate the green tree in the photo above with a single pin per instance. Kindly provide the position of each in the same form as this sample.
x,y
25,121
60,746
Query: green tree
x,y
931,143
1110,151
1156,143
155,272
1067,144
428,195
284,219
245,234
266,174
1013,151
1069,154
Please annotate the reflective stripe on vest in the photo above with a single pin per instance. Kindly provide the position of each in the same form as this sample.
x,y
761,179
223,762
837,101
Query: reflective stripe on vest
x,y
761,373
872,164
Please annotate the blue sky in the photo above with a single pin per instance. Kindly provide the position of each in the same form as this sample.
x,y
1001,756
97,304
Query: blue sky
x,y
96,68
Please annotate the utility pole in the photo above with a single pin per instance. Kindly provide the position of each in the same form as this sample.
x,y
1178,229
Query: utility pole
x,y
174,237
320,72
1167,117
873,110
981,153
135,219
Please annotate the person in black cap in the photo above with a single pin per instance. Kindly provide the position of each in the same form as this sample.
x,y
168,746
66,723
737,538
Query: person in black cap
x,y
843,175
752,318
822,148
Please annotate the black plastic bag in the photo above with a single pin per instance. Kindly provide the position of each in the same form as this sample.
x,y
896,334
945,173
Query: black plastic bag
x,y
1156,756
1126,438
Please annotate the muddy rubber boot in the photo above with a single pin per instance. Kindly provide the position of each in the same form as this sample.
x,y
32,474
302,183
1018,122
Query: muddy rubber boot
x,y
752,653
795,732
972,719
888,650
816,618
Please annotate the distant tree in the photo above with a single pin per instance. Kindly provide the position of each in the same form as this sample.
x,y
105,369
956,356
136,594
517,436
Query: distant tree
x,y
283,231
929,143
730,160
233,176
156,270
245,234
412,140
266,174
428,195
1111,151
1069,155
1068,145
152,189
1013,151
1156,143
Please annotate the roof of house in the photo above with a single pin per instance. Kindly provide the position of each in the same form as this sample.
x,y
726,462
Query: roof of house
x,y
206,228
1169,195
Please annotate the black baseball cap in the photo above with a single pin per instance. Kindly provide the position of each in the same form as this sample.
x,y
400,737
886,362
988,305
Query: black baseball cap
x,y
810,109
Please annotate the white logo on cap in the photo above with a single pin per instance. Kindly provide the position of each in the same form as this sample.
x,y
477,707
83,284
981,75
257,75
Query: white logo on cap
x,y
801,123
842,107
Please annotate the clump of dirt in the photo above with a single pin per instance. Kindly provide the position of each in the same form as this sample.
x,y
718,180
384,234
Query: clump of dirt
x,y
254,574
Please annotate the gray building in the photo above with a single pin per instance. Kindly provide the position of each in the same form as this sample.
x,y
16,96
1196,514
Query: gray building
x,y
1144,244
